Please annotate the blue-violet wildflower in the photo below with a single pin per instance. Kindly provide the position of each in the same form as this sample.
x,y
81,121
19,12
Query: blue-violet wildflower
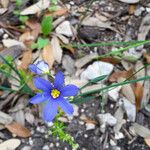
x,y
55,96
39,68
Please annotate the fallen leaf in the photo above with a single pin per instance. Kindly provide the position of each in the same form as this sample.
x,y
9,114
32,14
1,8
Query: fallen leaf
x,y
65,29
59,12
57,50
48,55
10,144
5,3
93,21
36,8
147,57
139,72
127,91
87,120
143,30
147,141
26,60
140,130
5,118
18,129
70,48
34,26
11,42
84,60
69,64
120,74
138,91
27,38
111,60
131,9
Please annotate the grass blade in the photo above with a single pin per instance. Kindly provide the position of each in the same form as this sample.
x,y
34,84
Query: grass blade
x,y
95,80
115,85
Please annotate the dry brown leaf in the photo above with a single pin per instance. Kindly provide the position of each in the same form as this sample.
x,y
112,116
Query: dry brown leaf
x,y
48,55
132,9
138,91
18,129
147,57
59,12
147,141
120,74
34,26
70,48
111,60
27,38
26,60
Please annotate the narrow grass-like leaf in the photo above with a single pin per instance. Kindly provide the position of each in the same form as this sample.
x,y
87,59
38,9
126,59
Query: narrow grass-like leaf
x,y
114,85
82,100
95,80
46,25
8,74
120,50
11,66
7,89
108,44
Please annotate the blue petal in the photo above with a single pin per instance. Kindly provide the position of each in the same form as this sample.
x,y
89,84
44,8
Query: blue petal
x,y
42,67
69,90
42,84
66,106
33,68
59,80
39,98
50,110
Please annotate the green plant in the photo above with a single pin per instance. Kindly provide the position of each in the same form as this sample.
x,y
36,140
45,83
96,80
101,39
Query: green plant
x,y
46,25
41,43
58,131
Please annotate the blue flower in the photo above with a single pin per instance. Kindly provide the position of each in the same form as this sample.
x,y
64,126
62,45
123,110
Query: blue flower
x,y
39,68
55,95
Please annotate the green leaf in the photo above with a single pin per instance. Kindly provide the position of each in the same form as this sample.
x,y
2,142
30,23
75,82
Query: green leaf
x,y
114,85
46,25
82,99
95,80
41,43
19,3
23,19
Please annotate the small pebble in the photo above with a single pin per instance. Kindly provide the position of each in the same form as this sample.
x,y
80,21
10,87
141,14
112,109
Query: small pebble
x,y
82,110
112,143
119,135
85,135
81,122
45,147
30,141
90,126
5,36
57,144
51,145
26,148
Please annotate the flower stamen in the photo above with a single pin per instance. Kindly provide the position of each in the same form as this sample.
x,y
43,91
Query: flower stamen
x,y
55,93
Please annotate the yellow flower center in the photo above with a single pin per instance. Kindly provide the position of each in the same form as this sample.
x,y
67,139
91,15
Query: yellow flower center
x,y
55,93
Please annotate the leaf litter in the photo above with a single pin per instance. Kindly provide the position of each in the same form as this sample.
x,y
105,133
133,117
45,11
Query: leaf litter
x,y
122,104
